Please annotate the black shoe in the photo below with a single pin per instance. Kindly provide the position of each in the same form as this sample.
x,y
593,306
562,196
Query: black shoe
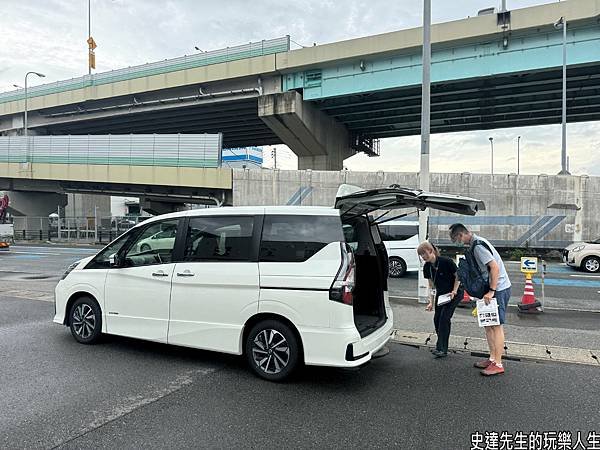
x,y
438,354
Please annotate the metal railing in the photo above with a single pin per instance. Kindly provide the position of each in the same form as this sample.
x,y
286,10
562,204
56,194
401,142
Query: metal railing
x,y
250,50
171,150
73,229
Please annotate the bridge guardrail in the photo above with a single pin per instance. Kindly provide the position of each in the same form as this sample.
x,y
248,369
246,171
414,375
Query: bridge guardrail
x,y
250,50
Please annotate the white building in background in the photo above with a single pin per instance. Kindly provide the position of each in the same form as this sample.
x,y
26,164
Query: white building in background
x,y
242,158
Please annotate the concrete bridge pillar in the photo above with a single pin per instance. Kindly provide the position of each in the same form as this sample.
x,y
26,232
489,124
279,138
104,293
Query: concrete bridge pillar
x,y
319,141
35,204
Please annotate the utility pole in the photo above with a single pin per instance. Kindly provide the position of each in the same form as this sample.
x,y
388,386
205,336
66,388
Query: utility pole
x,y
562,24
91,43
518,155
492,144
274,156
425,130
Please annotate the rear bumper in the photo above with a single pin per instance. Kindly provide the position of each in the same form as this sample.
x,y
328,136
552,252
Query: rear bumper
x,y
344,347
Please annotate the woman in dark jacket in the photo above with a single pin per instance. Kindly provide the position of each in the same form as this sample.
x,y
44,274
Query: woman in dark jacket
x,y
445,293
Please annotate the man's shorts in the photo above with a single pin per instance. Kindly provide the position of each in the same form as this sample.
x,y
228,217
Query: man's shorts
x,y
502,297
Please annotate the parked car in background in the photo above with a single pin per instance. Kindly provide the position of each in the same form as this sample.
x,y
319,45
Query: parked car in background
x,y
583,255
164,239
401,239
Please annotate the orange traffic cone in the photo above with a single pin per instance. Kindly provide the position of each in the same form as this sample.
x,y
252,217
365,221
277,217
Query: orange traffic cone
x,y
528,302
467,300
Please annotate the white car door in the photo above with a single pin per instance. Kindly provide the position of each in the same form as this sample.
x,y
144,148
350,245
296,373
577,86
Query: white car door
x,y
137,292
215,287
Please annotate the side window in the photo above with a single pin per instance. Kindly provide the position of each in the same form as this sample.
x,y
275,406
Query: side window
x,y
225,238
154,245
398,232
350,236
297,238
101,261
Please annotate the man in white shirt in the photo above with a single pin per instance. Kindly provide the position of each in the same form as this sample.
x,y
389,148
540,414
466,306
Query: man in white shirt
x,y
489,263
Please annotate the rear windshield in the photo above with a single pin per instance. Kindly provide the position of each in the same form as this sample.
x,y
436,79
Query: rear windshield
x,y
296,238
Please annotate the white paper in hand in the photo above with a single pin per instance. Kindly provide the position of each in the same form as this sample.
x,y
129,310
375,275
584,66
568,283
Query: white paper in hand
x,y
443,299
487,315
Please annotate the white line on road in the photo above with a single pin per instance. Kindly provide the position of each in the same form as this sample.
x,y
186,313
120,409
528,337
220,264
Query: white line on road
x,y
37,253
585,276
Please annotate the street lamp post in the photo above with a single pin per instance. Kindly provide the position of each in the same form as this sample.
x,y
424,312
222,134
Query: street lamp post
x,y
492,144
562,24
25,121
27,155
518,155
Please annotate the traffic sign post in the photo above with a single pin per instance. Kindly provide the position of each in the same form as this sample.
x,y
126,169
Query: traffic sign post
x,y
528,303
529,264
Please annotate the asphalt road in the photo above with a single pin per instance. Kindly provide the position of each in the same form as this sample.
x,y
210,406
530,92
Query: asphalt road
x,y
123,393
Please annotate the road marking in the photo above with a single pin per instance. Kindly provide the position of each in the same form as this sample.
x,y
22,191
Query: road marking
x,y
125,406
37,253
586,276
569,283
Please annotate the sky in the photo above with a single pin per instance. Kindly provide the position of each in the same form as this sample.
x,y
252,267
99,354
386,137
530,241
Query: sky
x,y
49,36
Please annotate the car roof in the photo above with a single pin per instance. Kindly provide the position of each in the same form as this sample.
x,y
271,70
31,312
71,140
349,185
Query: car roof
x,y
247,210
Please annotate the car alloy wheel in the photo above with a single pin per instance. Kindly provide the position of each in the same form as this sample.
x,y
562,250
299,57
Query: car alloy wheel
x,y
84,321
397,267
592,264
273,349
270,351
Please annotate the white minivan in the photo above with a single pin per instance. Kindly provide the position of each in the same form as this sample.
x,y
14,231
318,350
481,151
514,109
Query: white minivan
x,y
401,239
281,285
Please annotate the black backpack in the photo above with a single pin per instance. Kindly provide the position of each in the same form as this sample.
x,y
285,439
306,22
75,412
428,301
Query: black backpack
x,y
471,279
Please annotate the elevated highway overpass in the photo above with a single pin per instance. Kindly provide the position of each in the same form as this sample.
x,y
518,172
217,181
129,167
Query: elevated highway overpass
x,y
328,101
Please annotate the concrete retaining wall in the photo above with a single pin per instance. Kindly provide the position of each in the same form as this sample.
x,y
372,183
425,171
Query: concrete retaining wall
x,y
524,210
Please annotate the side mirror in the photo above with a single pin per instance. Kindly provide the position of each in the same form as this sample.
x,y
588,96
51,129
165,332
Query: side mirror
x,y
113,260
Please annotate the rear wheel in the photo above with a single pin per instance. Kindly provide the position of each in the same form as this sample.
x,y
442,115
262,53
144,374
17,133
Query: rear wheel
x,y
144,248
397,267
272,350
591,264
85,320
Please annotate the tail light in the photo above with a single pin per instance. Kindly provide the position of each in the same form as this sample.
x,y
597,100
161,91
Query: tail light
x,y
343,285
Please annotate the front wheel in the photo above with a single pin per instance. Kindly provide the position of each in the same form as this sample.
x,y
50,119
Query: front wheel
x,y
85,320
397,267
272,350
591,264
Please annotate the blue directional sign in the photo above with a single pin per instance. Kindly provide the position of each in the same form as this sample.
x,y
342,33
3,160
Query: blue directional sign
x,y
529,264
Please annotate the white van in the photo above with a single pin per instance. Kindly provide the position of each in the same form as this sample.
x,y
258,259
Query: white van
x,y
279,285
401,239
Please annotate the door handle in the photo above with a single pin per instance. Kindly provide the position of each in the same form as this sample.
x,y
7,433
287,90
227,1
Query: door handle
x,y
160,273
185,273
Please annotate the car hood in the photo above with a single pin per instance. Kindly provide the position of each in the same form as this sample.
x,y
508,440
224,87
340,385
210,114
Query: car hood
x,y
355,201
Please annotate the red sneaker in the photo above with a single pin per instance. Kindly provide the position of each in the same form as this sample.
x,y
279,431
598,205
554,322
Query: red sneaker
x,y
483,364
492,369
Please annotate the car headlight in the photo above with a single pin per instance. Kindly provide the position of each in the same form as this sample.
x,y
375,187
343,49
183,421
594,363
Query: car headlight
x,y
69,270
578,248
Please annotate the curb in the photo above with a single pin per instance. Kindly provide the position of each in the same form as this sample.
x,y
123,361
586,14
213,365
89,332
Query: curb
x,y
516,351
